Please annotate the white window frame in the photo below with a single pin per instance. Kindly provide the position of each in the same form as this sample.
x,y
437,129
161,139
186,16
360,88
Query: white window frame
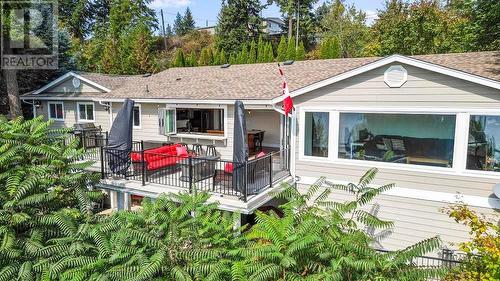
x,y
200,136
55,103
140,116
460,144
78,111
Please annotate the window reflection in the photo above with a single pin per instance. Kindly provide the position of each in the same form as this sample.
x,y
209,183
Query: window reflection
x,y
483,151
316,134
422,139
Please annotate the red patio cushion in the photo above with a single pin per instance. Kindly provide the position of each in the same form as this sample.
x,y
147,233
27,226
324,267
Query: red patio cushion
x,y
161,163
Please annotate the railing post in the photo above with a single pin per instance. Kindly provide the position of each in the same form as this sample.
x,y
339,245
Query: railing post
x,y
143,168
102,163
270,170
245,181
190,163
107,135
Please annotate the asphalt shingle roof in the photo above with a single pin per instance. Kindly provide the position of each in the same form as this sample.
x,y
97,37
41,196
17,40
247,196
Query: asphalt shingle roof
x,y
261,81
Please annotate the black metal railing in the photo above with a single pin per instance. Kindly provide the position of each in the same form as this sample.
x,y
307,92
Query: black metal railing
x,y
196,173
446,259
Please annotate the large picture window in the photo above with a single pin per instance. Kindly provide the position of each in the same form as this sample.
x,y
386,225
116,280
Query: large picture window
x,y
422,139
316,132
483,146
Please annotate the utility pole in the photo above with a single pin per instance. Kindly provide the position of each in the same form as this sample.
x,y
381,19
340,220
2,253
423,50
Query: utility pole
x,y
163,28
298,21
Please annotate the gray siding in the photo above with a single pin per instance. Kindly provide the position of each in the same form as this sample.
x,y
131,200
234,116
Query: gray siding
x,y
415,219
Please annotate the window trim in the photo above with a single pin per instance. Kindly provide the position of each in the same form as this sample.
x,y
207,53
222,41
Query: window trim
x,y
78,112
201,136
55,103
140,116
460,146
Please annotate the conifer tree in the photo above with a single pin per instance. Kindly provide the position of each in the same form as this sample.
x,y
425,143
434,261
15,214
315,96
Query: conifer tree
x,y
243,55
205,56
261,50
238,22
269,52
187,22
168,31
179,59
290,49
252,54
178,24
222,57
282,49
301,52
233,59
191,60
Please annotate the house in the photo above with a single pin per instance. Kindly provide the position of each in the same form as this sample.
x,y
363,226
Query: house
x,y
274,26
210,29
429,124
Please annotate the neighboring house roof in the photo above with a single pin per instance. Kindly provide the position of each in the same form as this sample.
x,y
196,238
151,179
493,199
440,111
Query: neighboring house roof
x,y
276,20
262,81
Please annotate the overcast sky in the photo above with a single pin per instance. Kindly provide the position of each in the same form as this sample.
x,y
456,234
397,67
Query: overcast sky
x,y
205,11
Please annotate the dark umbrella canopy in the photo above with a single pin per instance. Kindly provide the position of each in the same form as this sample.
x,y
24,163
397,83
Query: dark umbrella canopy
x,y
120,139
240,145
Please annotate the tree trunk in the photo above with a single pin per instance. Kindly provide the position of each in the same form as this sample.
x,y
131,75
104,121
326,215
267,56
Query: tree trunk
x,y
290,26
10,76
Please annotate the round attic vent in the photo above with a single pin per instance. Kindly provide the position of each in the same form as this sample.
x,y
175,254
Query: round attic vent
x,y
76,82
395,76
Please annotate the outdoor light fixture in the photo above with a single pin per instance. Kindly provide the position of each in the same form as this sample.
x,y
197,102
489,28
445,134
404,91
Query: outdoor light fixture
x,y
496,190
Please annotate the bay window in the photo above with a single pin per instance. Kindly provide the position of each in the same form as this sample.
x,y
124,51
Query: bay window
x,y
422,139
483,145
316,134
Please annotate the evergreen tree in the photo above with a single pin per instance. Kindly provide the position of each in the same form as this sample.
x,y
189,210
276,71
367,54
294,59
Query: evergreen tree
x,y
222,57
178,25
261,50
252,54
179,61
269,52
191,60
243,55
216,57
330,49
290,49
205,56
142,42
233,59
187,22
238,22
282,49
301,52
168,31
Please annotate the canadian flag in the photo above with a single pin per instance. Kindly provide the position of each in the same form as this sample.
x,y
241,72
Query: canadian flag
x,y
287,101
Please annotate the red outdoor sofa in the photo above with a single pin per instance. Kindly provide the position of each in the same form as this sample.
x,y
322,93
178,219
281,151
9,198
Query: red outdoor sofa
x,y
160,157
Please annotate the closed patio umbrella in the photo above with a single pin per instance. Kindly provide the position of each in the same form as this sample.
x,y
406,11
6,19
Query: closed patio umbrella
x,y
240,145
120,139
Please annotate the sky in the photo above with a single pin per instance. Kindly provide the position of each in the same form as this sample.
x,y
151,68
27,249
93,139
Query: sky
x,y
206,11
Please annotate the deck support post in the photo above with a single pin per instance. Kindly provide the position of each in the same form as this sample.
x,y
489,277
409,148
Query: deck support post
x,y
190,166
102,162
143,165
270,170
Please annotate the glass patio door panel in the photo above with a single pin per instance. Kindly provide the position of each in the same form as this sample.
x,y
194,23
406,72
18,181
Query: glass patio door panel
x,y
167,121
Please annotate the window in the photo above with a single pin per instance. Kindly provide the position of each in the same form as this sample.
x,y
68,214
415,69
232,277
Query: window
x,y
56,110
316,131
483,146
85,111
137,116
200,121
422,139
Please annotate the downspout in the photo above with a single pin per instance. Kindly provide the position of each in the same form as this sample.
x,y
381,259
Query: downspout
x,y
33,106
292,141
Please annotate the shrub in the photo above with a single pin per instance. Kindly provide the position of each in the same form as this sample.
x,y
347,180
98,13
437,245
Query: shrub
x,y
483,250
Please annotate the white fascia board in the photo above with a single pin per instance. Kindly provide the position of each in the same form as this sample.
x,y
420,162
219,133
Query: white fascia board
x,y
66,76
391,59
